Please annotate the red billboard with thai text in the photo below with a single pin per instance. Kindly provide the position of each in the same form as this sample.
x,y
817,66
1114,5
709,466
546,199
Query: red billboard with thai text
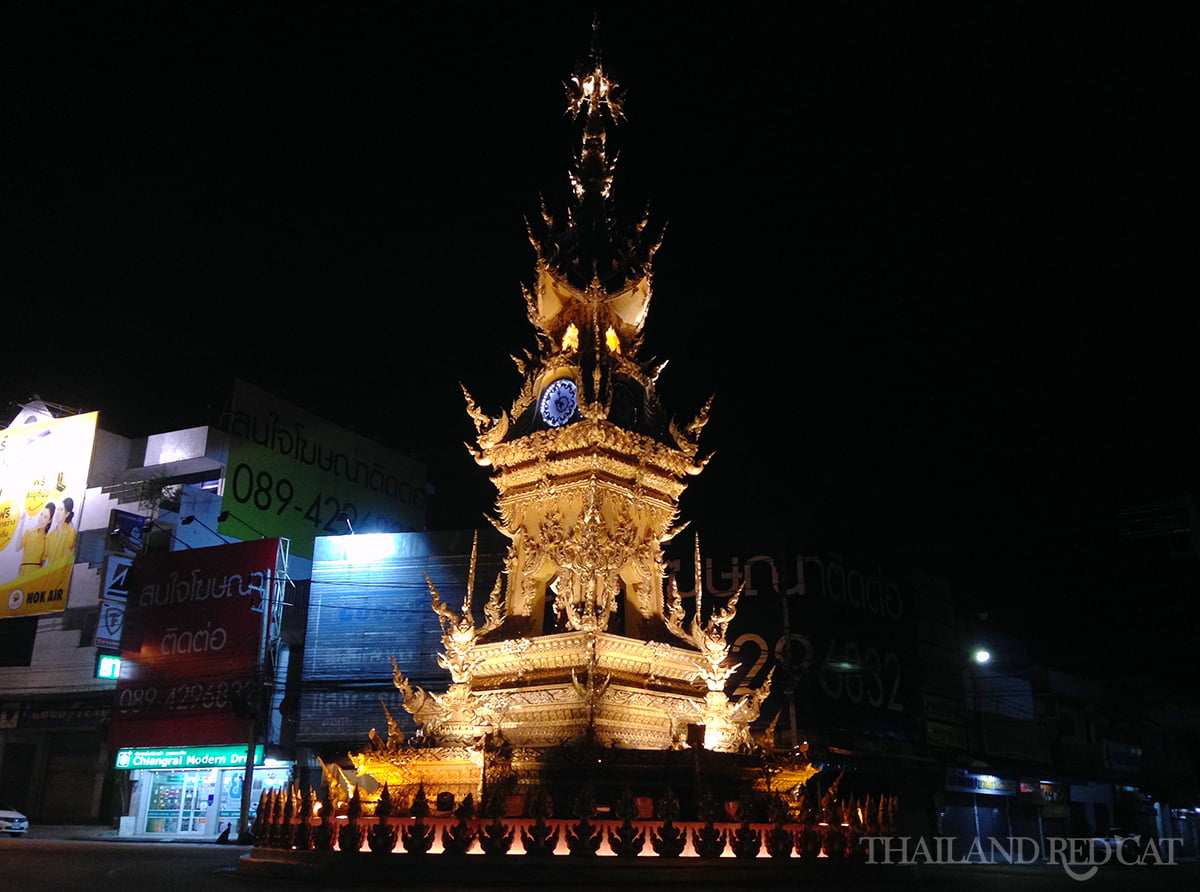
x,y
193,645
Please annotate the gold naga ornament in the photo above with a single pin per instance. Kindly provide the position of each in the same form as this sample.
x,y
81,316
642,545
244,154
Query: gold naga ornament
x,y
584,637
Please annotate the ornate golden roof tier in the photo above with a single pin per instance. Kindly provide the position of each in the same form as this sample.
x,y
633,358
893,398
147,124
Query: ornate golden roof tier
x,y
456,769
620,716
555,658
575,686
589,447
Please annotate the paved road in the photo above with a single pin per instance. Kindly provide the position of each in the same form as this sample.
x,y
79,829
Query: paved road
x,y
32,865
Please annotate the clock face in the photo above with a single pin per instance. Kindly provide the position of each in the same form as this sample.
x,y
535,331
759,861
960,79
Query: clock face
x,y
558,402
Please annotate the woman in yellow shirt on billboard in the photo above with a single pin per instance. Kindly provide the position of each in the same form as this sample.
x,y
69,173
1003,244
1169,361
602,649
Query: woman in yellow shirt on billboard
x,y
33,545
60,542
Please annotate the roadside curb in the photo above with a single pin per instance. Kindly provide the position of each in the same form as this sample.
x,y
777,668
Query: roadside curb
x,y
105,833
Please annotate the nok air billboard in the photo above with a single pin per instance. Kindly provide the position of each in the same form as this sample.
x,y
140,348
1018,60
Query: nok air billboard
x,y
43,478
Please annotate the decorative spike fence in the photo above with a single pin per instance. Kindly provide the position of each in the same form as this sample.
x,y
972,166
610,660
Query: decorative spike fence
x,y
292,820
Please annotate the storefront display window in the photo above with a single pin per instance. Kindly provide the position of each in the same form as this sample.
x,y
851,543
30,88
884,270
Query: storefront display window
x,y
201,802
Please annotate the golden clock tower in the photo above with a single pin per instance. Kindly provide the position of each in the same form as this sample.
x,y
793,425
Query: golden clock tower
x,y
585,637
588,468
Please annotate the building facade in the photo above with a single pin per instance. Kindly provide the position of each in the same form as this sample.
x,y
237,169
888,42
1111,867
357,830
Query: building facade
x,y
84,514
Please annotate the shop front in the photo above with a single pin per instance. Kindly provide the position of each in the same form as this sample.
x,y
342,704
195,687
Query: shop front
x,y
197,643
53,764
1040,809
976,808
192,792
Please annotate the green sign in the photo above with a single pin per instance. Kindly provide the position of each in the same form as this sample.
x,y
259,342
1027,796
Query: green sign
x,y
292,474
108,666
186,757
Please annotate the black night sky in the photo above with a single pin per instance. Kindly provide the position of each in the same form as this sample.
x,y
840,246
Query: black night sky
x,y
936,261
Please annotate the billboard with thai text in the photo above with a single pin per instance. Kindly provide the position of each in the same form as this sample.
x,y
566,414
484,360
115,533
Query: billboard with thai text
x,y
192,645
43,478
295,475
836,633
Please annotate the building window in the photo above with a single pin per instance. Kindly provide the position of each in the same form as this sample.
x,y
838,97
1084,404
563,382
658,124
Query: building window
x,y
16,640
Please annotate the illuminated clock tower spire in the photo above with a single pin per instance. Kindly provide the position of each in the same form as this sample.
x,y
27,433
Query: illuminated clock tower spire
x,y
588,467
586,637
